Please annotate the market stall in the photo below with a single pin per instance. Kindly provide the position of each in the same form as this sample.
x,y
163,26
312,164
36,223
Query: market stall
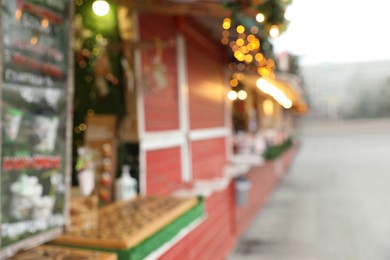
x,y
135,229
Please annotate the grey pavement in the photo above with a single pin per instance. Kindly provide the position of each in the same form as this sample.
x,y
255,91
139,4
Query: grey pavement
x,y
335,201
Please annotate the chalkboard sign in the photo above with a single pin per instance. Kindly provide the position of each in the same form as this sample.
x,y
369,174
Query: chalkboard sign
x,y
35,108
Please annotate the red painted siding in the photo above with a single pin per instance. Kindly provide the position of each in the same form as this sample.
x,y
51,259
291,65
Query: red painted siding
x,y
206,90
160,105
208,158
213,239
163,171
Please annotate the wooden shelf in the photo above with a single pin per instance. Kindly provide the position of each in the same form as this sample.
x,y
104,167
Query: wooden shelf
x,y
125,224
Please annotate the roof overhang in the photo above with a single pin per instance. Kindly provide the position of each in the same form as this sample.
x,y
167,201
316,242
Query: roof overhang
x,y
283,87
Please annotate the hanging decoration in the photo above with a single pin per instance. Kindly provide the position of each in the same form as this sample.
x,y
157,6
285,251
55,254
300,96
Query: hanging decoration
x,y
156,73
98,72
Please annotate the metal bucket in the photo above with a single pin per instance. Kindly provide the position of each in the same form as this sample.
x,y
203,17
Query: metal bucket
x,y
242,187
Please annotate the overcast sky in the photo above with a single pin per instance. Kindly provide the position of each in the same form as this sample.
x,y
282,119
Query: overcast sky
x,y
334,31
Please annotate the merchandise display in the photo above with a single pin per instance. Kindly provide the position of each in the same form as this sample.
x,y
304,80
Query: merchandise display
x,y
135,227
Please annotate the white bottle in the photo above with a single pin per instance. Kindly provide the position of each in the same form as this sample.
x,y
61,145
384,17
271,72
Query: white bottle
x,y
125,186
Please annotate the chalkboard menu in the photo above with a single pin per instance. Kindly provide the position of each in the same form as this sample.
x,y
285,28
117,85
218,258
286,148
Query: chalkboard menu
x,y
35,109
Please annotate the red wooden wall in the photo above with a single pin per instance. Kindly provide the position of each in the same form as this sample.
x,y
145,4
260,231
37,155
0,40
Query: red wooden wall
x,y
206,85
160,105
163,171
208,158
205,65
214,238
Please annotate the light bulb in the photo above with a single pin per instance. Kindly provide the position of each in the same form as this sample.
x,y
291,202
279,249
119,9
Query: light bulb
x,y
274,31
242,95
100,7
260,17
240,29
232,95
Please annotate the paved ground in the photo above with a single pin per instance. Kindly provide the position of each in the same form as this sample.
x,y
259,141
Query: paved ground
x,y
335,201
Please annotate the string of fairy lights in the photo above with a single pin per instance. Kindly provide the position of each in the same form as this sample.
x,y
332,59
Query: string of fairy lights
x,y
247,36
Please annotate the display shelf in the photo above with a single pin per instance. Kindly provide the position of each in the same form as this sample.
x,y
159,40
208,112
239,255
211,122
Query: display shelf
x,y
135,228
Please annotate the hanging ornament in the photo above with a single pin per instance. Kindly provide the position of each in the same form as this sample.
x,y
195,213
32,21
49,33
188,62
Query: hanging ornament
x,y
155,76
159,69
103,73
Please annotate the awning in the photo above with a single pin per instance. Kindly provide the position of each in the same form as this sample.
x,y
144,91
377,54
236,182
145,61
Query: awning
x,y
286,89
290,85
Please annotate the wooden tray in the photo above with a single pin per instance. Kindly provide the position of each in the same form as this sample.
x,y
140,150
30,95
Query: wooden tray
x,y
125,224
50,252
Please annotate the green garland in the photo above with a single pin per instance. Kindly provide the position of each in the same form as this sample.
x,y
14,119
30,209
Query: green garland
x,y
274,151
90,32
273,10
243,13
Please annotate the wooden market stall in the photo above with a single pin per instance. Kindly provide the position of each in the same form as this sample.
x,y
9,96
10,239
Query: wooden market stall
x,y
150,153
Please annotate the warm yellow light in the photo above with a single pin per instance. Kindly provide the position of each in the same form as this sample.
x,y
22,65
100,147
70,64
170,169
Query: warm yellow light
x,y
34,40
260,17
248,58
45,23
18,14
259,56
233,82
100,7
240,29
232,95
256,44
263,62
274,92
268,107
271,63
240,42
226,25
274,31
244,49
239,55
263,71
239,76
251,38
242,95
